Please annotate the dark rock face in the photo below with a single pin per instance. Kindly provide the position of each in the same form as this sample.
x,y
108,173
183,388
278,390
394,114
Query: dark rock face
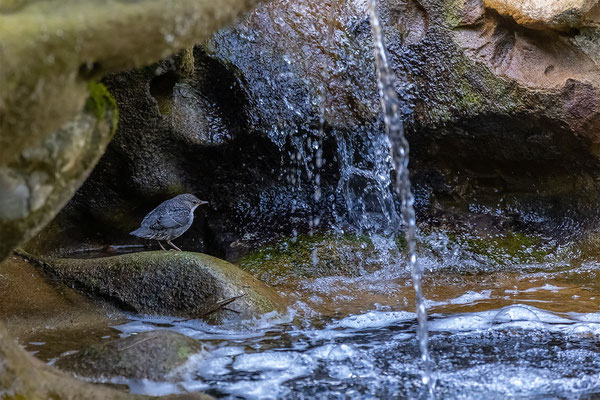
x,y
149,355
186,133
502,128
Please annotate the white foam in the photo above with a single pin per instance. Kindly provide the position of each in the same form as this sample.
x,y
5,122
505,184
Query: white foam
x,y
514,316
472,297
547,286
278,360
374,319
151,388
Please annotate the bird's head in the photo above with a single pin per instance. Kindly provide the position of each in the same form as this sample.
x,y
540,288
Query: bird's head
x,y
192,200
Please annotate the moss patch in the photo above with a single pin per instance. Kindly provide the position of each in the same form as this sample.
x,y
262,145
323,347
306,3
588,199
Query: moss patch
x,y
490,252
101,102
314,256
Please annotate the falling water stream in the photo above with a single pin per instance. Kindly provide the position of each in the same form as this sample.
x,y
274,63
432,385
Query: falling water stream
x,y
400,154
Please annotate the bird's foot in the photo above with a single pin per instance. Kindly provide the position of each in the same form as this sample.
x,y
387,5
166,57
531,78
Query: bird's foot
x,y
172,245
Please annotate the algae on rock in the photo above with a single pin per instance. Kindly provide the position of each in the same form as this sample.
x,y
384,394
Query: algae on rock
x,y
290,260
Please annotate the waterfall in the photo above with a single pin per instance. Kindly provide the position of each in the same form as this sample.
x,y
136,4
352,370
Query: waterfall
x,y
400,154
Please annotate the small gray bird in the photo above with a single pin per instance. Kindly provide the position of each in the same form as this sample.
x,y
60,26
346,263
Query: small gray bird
x,y
169,220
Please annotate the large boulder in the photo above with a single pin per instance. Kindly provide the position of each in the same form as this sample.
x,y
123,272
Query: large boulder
x,y
50,52
189,285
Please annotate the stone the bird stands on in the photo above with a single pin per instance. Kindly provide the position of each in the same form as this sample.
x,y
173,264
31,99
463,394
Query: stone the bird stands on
x,y
170,219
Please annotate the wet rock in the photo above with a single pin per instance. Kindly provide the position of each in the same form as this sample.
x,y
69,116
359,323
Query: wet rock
x,y
31,304
51,51
183,284
23,377
291,260
150,355
499,123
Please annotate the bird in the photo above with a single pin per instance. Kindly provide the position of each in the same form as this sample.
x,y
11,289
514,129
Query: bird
x,y
169,220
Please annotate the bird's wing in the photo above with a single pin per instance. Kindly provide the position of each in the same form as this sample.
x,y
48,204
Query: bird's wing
x,y
152,217
172,218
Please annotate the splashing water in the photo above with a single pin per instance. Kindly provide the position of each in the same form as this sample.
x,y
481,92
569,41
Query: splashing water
x,y
400,154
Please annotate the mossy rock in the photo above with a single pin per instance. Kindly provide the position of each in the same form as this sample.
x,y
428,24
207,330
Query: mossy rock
x,y
319,255
48,173
185,284
150,355
474,252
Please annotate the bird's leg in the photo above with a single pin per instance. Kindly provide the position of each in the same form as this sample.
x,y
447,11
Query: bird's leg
x,y
161,246
172,245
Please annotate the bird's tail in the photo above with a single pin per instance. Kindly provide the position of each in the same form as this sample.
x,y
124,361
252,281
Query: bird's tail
x,y
140,232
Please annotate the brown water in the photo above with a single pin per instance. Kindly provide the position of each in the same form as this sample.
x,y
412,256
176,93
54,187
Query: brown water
x,y
499,328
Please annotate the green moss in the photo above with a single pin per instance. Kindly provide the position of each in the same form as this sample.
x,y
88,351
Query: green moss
x,y
101,102
186,62
508,248
468,99
453,12
13,397
184,352
313,256
165,105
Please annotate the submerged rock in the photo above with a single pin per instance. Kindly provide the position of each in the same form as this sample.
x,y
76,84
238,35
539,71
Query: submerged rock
x,y
190,285
150,355
23,377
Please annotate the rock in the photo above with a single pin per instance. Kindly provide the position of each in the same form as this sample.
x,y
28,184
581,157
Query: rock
x,y
31,304
23,377
51,51
291,260
548,13
48,173
150,355
182,284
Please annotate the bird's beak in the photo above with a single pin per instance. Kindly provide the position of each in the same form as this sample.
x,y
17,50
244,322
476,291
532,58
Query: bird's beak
x,y
202,202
